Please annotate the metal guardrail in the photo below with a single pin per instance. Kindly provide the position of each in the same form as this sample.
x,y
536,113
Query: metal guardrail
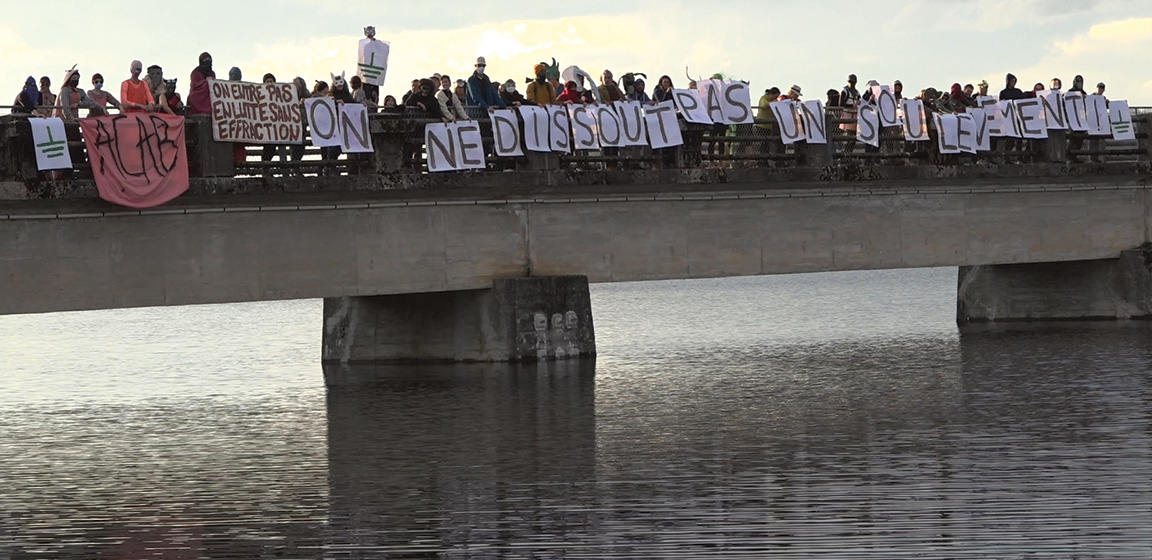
x,y
398,137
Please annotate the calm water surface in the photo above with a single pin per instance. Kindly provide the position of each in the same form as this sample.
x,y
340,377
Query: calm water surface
x,y
809,416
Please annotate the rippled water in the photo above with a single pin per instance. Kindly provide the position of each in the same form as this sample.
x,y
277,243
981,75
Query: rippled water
x,y
809,416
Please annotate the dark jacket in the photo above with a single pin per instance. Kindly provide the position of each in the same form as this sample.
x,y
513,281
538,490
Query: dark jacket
x,y
431,105
482,94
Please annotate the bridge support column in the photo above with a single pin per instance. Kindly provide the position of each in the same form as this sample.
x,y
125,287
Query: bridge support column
x,y
516,320
1076,290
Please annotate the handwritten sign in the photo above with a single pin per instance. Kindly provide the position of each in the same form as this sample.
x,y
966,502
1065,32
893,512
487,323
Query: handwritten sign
x,y
51,144
885,102
558,127
1120,117
454,146
788,117
506,133
691,106
372,61
354,135
584,127
915,125
814,122
255,113
535,128
1030,118
948,133
1097,108
139,160
632,123
663,128
1052,102
1076,111
608,126
868,125
983,138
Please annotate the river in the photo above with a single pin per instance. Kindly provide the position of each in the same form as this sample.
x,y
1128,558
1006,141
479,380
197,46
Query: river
x,y
837,415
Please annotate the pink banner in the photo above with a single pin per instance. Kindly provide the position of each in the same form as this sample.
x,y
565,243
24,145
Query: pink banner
x,y
139,159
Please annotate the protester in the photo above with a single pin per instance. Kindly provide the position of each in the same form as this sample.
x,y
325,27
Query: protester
x,y
72,98
199,98
794,93
1078,85
609,89
1056,84
170,101
297,150
638,93
135,95
450,104
850,96
235,75
1010,90
28,99
539,92
320,89
570,94
426,102
983,85
1039,87
960,100
340,91
898,90
101,97
1100,88
461,89
47,98
481,92
663,90
155,79
833,98
511,97
390,105
360,95
414,89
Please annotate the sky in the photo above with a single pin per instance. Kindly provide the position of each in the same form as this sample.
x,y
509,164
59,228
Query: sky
x,y
814,44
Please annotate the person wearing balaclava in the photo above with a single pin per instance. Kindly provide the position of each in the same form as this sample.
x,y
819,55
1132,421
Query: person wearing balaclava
x,y
539,91
28,98
72,98
234,74
199,98
155,81
135,94
1078,85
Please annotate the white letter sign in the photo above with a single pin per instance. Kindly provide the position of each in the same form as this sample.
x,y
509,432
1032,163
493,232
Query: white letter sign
x,y
506,133
663,128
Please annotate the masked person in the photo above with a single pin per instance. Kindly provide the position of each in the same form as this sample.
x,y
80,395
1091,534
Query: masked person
x,y
135,95
28,99
481,92
235,75
72,98
199,98
47,98
155,79
170,101
539,91
99,96
511,97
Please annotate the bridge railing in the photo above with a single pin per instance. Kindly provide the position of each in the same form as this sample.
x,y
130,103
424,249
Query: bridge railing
x,y
398,140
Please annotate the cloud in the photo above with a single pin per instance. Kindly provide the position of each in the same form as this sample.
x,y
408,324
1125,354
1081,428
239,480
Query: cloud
x,y
1107,52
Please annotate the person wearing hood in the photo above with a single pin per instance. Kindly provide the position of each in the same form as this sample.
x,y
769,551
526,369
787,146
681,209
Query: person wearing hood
x,y
425,100
235,75
898,90
199,98
480,91
638,93
155,79
571,94
539,91
28,99
72,98
1078,85
99,96
960,100
1010,90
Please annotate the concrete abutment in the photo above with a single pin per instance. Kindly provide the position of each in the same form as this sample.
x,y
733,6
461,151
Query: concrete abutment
x,y
516,320
1076,290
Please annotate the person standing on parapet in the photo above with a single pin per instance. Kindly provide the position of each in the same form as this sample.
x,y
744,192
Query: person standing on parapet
x,y
199,98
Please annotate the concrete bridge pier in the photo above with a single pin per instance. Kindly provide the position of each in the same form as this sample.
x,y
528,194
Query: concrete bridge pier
x,y
1075,290
516,320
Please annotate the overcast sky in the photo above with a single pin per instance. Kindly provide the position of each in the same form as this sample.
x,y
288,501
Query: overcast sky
x,y
815,43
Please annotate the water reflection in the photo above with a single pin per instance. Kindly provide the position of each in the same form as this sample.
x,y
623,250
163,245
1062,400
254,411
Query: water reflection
x,y
461,459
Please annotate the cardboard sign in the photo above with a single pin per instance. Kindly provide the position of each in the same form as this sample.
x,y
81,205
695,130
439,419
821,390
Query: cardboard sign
x,y
690,105
255,113
915,124
139,160
788,117
558,129
885,102
632,123
1076,111
535,128
51,144
868,125
1030,118
1120,117
372,61
983,138
1097,109
506,133
323,121
1052,103
608,126
947,133
584,127
815,125
663,128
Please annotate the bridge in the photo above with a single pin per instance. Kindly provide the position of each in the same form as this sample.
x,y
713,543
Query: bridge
x,y
494,265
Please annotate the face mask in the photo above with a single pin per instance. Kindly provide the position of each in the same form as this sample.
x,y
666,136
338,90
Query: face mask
x,y
510,89
480,70
98,85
